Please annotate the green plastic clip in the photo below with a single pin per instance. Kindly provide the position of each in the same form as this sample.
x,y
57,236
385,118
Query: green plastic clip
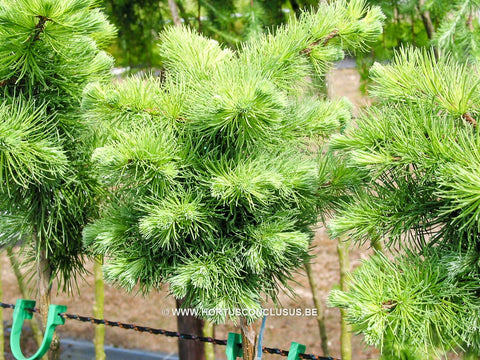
x,y
234,346
20,314
295,350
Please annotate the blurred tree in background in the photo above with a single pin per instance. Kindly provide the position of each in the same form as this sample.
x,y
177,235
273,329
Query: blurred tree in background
x,y
449,26
137,23
227,21
417,22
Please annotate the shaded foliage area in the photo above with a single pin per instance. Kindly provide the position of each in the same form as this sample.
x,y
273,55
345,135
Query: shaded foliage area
x,y
137,22
448,26
230,22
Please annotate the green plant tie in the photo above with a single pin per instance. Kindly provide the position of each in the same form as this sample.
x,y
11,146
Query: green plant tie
x,y
295,350
234,346
22,312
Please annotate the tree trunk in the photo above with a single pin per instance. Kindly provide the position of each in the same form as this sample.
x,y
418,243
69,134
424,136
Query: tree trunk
x,y
208,331
99,340
249,337
427,21
199,17
174,11
44,286
34,324
320,309
295,7
189,349
346,331
183,14
413,30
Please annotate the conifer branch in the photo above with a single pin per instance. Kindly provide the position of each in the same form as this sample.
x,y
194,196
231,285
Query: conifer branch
x,y
40,27
467,117
154,111
330,36
420,189
324,41
8,81
46,188
389,305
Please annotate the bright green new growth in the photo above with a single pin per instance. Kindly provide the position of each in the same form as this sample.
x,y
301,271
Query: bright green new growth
x,y
411,306
49,51
212,173
418,154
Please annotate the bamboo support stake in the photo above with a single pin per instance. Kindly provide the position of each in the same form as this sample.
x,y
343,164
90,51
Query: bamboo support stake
x,y
346,331
98,308
208,331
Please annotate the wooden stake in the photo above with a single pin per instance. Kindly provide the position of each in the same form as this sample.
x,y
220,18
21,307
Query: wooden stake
x,y
188,324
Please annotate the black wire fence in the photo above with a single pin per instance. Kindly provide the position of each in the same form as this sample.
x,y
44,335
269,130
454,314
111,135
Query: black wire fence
x,y
176,334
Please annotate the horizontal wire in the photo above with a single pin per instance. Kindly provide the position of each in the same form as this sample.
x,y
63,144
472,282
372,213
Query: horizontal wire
x,y
177,334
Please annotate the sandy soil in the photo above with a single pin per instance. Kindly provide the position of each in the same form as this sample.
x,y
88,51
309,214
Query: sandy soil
x,y
280,331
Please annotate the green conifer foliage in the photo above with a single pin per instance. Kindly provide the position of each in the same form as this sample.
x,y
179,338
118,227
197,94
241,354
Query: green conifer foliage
x,y
458,33
213,172
418,154
50,49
